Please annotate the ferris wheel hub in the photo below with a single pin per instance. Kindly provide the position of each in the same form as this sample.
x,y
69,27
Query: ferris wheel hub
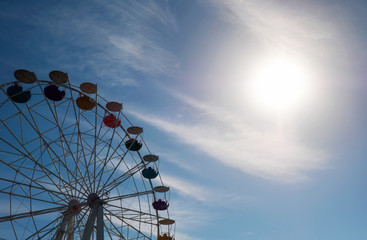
x,y
92,199
74,207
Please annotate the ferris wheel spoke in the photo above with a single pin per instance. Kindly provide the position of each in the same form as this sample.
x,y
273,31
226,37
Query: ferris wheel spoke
x,y
39,231
86,145
116,167
116,182
123,220
28,154
31,186
117,232
74,156
31,214
67,109
132,171
77,153
108,160
38,183
120,197
43,158
84,179
59,165
136,213
29,197
109,230
140,218
62,139
7,152
48,146
123,177
93,155
109,144
81,143
87,164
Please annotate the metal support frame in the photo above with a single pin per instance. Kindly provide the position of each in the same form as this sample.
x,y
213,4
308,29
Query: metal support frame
x,y
90,223
100,223
96,212
61,231
70,230
68,223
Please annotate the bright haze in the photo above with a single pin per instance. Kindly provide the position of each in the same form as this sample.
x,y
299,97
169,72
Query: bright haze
x,y
257,109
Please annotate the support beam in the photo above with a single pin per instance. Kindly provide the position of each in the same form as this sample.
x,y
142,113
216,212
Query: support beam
x,y
31,214
88,230
60,232
66,228
70,230
100,223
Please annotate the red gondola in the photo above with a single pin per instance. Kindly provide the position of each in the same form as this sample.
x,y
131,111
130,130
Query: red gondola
x,y
111,121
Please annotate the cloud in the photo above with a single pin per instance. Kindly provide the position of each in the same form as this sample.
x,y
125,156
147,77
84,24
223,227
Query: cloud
x,y
285,25
141,46
121,39
151,12
173,158
191,190
143,55
190,214
268,154
318,30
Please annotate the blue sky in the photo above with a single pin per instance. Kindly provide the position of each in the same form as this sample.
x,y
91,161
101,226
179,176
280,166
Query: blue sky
x,y
237,170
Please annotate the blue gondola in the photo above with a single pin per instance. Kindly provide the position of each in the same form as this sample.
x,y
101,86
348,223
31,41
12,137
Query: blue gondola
x,y
149,173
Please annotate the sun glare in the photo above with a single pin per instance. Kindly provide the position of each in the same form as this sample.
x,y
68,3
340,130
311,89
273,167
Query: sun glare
x,y
279,85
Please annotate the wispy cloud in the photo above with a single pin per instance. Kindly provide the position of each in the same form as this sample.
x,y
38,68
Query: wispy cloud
x,y
209,195
151,12
173,158
297,27
267,154
191,215
143,55
130,40
191,190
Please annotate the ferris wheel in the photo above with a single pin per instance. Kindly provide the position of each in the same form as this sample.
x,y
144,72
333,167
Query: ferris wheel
x,y
72,166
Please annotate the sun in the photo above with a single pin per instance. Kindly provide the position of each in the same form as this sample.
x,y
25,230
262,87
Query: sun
x,y
279,85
